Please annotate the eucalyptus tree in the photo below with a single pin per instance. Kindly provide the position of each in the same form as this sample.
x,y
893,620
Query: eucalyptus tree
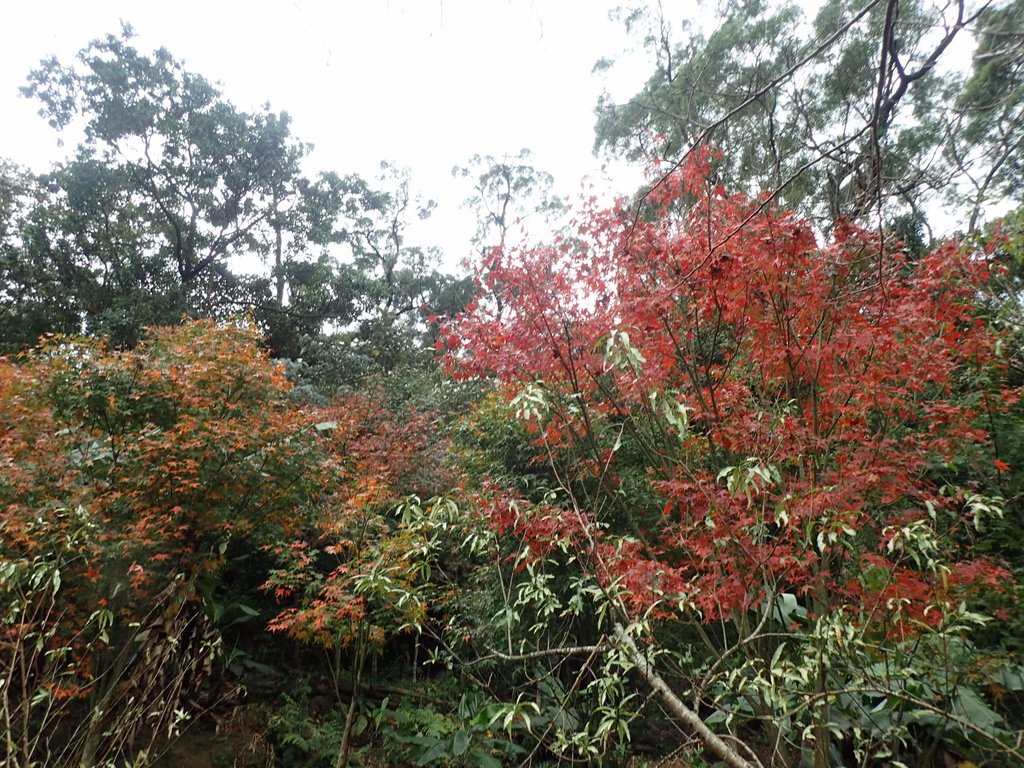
x,y
855,113
506,190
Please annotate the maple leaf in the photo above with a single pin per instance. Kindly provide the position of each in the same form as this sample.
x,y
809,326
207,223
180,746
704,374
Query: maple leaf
x,y
819,375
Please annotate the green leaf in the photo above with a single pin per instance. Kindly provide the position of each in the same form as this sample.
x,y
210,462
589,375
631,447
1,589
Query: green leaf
x,y
438,750
970,706
484,760
1011,678
460,743
788,609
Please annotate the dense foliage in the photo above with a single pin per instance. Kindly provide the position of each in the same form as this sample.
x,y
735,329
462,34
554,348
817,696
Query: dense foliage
x,y
126,477
728,473
179,203
756,433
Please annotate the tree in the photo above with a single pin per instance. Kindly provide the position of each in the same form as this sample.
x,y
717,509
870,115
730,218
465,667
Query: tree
x,y
855,118
757,444
82,258
34,295
179,203
172,192
985,146
211,177
506,190
126,474
393,292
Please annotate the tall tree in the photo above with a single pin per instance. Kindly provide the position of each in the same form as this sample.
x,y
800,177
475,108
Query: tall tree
x,y
211,178
33,287
850,114
756,450
179,203
506,190
987,145
388,292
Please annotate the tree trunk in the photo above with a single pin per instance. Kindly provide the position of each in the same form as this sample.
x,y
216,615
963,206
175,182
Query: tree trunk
x,y
279,260
346,734
677,708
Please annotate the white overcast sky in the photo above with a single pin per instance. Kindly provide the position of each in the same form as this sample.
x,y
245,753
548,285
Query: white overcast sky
x,y
423,83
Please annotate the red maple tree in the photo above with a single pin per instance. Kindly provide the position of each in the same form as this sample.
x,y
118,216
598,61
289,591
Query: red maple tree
x,y
792,405
748,427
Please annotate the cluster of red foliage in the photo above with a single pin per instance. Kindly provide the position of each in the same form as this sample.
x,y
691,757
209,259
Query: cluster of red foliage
x,y
832,379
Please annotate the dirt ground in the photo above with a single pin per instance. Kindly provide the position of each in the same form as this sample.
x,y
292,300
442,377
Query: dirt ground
x,y
238,741
232,742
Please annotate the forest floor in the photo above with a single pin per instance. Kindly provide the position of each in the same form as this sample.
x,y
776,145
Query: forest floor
x,y
239,740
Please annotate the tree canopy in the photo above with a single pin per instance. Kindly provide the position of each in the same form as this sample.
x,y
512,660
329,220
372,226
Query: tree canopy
x,y
856,112
177,202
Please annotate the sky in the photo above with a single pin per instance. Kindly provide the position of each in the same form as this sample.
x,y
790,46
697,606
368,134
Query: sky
x,y
421,83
